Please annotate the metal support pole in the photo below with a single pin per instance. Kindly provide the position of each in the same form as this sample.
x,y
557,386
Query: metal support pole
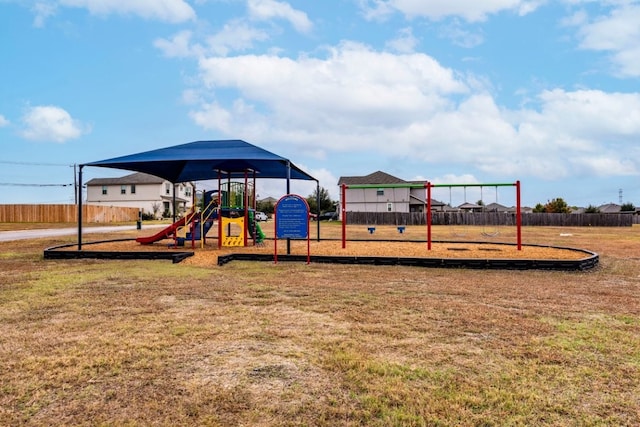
x,y
245,202
220,201
343,214
318,209
288,192
80,208
428,185
518,216
173,201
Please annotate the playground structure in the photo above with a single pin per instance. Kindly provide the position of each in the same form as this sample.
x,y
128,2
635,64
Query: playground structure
x,y
237,224
229,206
428,186
232,205
193,226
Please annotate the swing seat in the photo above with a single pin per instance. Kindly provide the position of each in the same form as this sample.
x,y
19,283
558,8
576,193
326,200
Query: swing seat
x,y
400,229
371,229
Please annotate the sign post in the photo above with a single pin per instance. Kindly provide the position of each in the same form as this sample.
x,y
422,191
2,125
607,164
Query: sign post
x,y
292,222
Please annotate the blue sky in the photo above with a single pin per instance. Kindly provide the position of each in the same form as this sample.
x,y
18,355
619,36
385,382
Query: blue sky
x,y
545,92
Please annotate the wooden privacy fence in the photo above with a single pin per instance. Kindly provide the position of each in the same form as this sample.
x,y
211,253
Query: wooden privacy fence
x,y
66,213
491,218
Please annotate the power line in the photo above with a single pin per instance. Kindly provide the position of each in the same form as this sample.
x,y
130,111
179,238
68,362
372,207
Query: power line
x,y
33,164
16,184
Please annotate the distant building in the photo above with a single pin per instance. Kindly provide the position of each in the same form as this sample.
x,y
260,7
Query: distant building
x,y
609,208
269,200
391,196
152,195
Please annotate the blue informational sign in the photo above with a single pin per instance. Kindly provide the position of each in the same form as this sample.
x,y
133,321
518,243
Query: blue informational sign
x,y
292,217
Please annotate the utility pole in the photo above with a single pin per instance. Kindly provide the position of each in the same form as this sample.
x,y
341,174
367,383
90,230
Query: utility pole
x,y
620,195
75,184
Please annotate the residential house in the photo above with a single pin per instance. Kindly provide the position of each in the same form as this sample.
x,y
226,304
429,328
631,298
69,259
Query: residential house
x,y
150,194
496,207
470,207
392,195
609,208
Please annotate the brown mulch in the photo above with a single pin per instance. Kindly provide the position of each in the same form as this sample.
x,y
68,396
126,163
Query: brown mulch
x,y
208,255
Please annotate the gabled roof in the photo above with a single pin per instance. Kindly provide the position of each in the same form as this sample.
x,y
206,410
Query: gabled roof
x,y
609,208
495,207
377,177
469,205
133,178
202,160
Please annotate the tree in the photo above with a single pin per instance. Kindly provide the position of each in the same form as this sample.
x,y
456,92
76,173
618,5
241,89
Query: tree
x,y
557,206
265,206
155,207
627,207
325,201
591,209
539,208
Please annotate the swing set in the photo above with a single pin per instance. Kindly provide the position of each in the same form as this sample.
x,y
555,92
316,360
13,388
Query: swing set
x,y
487,230
428,186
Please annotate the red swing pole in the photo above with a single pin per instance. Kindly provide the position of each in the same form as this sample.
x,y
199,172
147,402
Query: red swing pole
x,y
518,216
428,214
343,213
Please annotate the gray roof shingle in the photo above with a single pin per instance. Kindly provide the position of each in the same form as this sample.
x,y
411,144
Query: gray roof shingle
x,y
377,177
134,178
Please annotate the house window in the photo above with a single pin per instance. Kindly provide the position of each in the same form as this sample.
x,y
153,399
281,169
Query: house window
x,y
389,207
167,188
133,189
104,190
123,189
380,192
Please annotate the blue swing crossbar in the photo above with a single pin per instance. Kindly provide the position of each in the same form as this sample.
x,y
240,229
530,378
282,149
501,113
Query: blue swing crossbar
x,y
371,230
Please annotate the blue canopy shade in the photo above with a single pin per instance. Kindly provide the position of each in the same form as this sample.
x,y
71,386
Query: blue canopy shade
x,y
202,160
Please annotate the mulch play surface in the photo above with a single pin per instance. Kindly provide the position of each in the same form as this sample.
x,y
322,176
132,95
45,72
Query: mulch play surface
x,y
207,255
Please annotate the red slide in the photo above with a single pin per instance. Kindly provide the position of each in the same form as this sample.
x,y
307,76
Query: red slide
x,y
165,233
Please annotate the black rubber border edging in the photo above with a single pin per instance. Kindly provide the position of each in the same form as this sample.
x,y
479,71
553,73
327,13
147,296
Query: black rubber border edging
x,y
583,264
591,261
53,253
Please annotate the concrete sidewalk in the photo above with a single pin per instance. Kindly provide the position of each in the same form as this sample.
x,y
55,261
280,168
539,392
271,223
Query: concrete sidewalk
x,y
7,236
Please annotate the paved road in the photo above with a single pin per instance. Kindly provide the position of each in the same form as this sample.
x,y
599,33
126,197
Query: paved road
x,y
7,236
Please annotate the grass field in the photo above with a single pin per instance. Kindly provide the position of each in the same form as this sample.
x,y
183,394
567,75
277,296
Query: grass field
x,y
86,342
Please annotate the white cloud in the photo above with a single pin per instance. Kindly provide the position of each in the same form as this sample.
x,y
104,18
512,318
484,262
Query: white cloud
x,y
174,11
3,121
51,123
235,36
455,179
269,9
379,89
406,42
461,35
469,10
593,113
617,33
42,10
583,133
178,46
408,108
276,188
